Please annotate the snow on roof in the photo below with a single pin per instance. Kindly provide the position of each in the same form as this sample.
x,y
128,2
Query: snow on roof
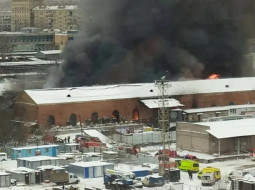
x,y
154,176
32,147
72,144
32,61
22,170
51,52
139,90
89,164
96,133
50,167
39,158
219,108
155,103
110,152
231,128
21,74
4,173
56,7
92,154
23,53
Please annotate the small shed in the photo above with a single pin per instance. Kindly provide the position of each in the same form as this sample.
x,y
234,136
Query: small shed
x,y
72,147
5,180
89,169
43,150
37,161
25,175
110,155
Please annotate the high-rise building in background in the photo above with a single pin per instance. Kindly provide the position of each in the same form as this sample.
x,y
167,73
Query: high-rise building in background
x,y
22,15
61,17
5,20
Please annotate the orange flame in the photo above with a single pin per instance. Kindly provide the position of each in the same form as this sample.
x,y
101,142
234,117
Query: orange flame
x,y
214,76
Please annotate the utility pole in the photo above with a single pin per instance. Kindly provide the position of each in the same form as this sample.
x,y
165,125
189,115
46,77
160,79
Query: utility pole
x,y
80,125
163,115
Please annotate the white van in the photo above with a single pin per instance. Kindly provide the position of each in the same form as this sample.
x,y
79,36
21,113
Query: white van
x,y
3,156
208,179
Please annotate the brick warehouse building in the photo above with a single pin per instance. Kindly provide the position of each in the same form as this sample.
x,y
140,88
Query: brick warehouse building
x,y
60,106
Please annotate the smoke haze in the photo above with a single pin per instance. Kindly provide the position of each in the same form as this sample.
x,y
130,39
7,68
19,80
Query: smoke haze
x,y
140,41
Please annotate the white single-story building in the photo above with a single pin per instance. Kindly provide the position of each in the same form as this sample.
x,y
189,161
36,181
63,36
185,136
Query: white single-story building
x,y
37,161
218,137
92,169
25,175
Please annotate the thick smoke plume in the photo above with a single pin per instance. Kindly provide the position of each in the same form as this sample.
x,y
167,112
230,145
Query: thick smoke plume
x,y
131,41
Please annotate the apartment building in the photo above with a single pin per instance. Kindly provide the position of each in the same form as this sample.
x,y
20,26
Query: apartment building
x,y
60,18
22,15
5,20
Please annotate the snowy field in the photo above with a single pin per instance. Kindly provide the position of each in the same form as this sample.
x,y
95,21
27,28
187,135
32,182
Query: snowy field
x,y
226,167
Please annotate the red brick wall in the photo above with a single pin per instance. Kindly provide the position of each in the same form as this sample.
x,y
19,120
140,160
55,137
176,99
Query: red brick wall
x,y
62,112
218,99
25,112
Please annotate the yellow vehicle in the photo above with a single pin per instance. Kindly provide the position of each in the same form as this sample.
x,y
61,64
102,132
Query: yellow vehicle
x,y
215,171
188,165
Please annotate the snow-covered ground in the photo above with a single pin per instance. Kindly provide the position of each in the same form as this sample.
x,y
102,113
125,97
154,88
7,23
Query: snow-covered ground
x,y
225,166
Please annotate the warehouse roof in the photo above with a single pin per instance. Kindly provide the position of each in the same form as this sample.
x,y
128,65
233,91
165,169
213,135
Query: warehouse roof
x,y
231,128
139,90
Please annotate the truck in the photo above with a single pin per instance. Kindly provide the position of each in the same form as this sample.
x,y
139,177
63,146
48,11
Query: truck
x,y
215,171
115,180
63,178
153,181
208,179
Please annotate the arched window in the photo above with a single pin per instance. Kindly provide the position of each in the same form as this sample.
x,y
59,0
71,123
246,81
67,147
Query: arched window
x,y
94,116
73,120
51,120
135,115
115,116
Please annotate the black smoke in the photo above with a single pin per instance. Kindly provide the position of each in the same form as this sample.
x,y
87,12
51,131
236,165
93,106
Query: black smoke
x,y
130,41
